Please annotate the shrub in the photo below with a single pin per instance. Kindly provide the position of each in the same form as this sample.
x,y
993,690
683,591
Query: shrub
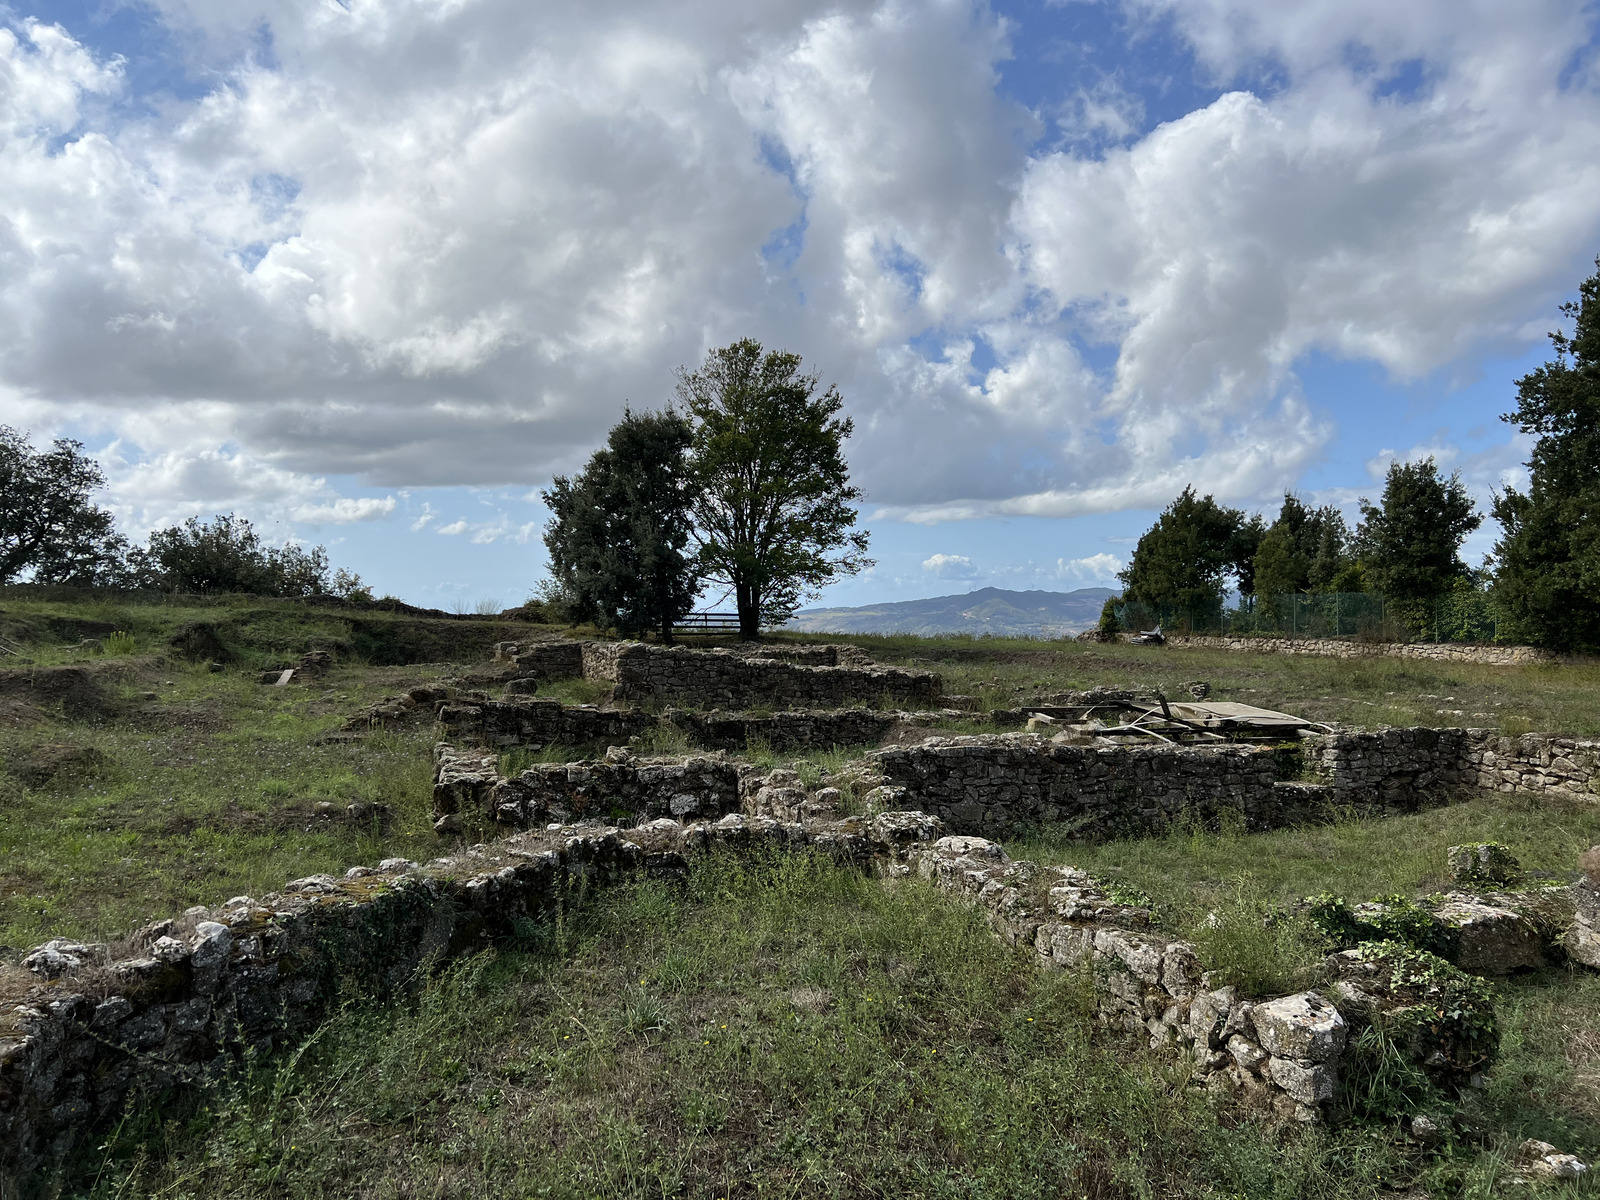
x,y
119,643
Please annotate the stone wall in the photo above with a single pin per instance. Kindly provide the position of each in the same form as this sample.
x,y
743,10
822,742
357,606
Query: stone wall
x,y
788,731
991,784
534,724
724,679
469,792
1534,762
1499,656
997,783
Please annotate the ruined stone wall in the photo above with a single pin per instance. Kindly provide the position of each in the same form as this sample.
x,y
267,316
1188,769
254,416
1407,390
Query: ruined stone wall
x,y
787,731
723,679
995,783
469,791
1533,762
1498,656
535,724
543,660
1395,769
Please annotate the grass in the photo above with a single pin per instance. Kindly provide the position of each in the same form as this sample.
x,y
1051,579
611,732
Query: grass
x,y
791,1031
1000,672
209,791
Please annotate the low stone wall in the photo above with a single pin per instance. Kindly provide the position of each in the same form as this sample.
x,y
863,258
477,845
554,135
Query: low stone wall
x,y
543,660
724,679
1533,762
535,724
469,792
1499,656
1395,770
95,1028
789,731
993,784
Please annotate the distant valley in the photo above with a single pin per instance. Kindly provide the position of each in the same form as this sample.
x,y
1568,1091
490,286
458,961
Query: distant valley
x,y
987,610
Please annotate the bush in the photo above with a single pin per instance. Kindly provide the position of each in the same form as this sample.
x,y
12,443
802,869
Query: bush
x,y
118,643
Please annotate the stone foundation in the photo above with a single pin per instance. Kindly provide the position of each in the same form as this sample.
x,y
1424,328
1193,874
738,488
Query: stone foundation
x,y
642,673
534,724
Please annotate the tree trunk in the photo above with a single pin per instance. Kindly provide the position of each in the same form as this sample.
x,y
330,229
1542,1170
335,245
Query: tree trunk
x,y
749,612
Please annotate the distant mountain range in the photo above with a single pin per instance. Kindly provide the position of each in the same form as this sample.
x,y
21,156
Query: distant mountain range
x,y
987,610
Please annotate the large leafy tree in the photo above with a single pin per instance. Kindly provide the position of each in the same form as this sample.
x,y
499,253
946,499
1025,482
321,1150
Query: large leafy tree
x,y
1410,543
226,554
1304,550
619,531
1548,577
49,527
774,512
1184,559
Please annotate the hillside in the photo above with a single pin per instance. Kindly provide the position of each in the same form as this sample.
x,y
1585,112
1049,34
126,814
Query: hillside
x,y
987,610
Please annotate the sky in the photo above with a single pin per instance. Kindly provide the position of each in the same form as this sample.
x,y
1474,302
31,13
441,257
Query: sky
x,y
371,272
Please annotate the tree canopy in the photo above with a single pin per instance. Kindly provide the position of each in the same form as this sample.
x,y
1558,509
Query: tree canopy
x,y
773,507
1548,557
226,554
1185,558
1409,543
49,527
619,531
1304,550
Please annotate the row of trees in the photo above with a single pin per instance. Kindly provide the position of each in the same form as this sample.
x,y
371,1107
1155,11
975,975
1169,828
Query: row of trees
x,y
52,532
1543,577
742,484
1406,547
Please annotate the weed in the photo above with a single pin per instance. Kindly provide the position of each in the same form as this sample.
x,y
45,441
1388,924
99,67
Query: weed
x,y
119,642
1257,945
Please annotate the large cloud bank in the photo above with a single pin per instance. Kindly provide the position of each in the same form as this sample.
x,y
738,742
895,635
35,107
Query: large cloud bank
x,y
426,243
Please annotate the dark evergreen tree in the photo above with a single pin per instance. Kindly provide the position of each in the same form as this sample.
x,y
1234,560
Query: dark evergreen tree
x,y
775,512
1410,543
619,531
1184,559
49,527
1547,580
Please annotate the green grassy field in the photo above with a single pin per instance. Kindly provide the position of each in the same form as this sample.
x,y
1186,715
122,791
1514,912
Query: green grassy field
x,y
791,1032
1364,692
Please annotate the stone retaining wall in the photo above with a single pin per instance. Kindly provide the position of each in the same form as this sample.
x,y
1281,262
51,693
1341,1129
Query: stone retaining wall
x,y
992,784
1499,656
724,679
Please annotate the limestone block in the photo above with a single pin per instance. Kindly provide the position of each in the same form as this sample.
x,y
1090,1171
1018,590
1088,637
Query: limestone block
x,y
1305,1026
1493,941
1246,1054
1583,937
1140,954
1304,1082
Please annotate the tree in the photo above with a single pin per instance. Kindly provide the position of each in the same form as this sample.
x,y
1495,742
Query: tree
x,y
1183,559
226,554
48,525
618,531
1303,551
773,512
1409,544
1548,557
